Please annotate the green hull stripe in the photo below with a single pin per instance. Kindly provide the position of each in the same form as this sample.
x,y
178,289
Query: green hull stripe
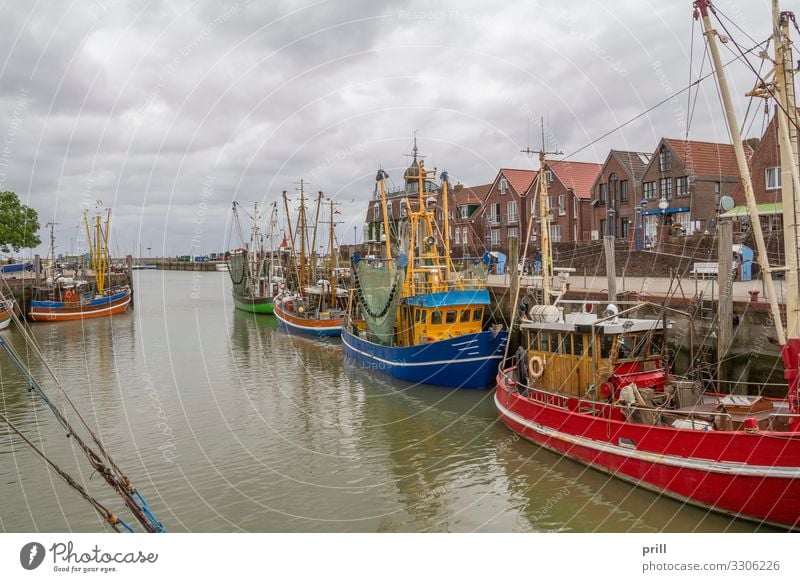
x,y
253,307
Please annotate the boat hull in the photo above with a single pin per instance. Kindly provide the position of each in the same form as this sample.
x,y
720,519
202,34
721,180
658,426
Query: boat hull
x,y
466,361
60,311
754,476
263,305
315,327
5,319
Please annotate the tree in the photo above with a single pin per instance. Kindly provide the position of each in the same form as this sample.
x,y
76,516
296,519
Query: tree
x,y
19,224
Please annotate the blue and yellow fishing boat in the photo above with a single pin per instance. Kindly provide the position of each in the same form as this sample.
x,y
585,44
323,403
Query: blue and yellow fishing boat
x,y
412,314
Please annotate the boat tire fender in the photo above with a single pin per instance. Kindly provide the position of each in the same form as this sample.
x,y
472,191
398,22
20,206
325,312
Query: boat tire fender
x,y
535,367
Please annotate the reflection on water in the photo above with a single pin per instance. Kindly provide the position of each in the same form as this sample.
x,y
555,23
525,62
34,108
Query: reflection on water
x,y
228,423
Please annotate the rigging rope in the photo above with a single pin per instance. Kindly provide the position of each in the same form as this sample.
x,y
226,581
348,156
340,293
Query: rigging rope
x,y
111,472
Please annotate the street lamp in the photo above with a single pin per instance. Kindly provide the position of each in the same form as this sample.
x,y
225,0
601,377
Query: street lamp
x,y
611,222
663,205
640,209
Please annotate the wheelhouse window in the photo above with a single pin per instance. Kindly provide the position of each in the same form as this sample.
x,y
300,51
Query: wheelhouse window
x,y
465,316
477,314
436,318
451,316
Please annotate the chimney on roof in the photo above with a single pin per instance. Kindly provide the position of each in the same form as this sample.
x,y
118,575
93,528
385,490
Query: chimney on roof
x,y
458,187
751,142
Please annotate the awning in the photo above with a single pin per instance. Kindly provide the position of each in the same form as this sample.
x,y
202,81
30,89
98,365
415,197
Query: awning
x,y
770,209
667,210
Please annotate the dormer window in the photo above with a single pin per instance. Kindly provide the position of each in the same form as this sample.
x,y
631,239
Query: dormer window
x,y
664,164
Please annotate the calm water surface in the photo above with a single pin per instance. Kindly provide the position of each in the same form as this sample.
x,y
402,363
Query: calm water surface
x,y
226,423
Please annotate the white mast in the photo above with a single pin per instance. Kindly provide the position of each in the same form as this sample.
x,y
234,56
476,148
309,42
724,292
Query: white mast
x,y
744,171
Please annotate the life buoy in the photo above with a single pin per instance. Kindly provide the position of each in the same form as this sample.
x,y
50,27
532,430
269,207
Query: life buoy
x,y
68,295
535,367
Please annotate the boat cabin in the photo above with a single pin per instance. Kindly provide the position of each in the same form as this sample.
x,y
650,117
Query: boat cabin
x,y
587,356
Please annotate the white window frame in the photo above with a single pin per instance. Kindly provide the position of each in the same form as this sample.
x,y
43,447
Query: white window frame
x,y
664,160
465,235
457,238
513,231
685,191
775,173
494,236
562,204
575,208
503,186
511,211
464,211
555,232
376,212
650,192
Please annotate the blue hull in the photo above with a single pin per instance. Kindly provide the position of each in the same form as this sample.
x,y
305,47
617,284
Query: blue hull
x,y
467,361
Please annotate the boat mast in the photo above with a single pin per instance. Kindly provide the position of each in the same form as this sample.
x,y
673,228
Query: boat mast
x,y
446,233
744,171
332,278
784,93
381,178
301,227
255,251
314,239
544,210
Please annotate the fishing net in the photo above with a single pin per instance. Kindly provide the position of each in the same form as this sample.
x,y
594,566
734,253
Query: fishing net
x,y
237,267
379,291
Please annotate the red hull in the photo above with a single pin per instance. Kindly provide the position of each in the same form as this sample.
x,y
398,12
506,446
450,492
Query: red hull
x,y
752,476
79,312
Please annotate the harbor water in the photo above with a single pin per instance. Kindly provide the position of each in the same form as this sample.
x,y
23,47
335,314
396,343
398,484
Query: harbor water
x,y
226,423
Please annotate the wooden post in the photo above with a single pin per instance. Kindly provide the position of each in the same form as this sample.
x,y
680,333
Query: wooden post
x,y
725,309
513,260
37,269
611,269
129,274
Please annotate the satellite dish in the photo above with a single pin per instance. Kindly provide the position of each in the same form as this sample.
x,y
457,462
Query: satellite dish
x,y
726,203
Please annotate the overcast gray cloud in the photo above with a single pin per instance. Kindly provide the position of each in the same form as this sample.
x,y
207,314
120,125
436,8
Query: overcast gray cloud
x,y
169,111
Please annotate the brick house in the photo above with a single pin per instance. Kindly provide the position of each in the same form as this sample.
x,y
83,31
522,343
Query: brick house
x,y
468,226
569,187
505,209
688,178
765,172
616,196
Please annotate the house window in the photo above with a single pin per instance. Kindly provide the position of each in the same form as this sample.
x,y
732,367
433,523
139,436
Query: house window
x,y
457,239
549,202
623,190
603,227
464,211
624,229
403,210
513,232
575,207
650,190
494,213
555,233
535,206
376,212
549,175
503,186
603,194
773,178
562,205
664,160
666,188
389,210
464,235
574,232
682,223
682,186
511,209
717,192
495,236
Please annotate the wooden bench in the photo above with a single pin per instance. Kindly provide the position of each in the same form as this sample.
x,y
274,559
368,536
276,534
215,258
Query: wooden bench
x,y
703,270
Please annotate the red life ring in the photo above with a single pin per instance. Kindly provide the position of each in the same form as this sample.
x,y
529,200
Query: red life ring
x,y
68,295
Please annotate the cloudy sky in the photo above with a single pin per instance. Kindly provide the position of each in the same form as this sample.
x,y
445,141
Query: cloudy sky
x,y
169,111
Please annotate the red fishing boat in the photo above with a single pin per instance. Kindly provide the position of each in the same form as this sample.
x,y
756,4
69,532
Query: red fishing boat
x,y
595,384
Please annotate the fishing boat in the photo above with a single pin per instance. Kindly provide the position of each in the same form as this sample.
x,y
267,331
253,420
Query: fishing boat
x,y
6,305
64,298
412,314
311,302
254,272
595,385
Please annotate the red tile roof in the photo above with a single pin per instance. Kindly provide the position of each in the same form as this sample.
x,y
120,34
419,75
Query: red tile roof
x,y
520,180
471,194
707,158
577,176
